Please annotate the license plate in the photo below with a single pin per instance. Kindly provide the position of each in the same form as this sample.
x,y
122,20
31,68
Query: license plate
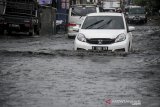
x,y
99,48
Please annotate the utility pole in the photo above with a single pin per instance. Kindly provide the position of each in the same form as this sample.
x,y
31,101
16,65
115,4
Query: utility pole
x,y
72,2
121,4
81,1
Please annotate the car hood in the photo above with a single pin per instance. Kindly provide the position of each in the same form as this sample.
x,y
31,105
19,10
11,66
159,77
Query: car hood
x,y
101,33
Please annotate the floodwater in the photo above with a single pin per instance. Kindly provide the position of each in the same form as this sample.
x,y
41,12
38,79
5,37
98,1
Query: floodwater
x,y
32,77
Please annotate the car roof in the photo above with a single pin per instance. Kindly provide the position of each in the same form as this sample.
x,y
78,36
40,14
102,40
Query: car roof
x,y
134,6
83,5
105,14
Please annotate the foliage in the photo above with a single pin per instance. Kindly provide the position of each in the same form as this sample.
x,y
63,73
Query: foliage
x,y
148,3
140,2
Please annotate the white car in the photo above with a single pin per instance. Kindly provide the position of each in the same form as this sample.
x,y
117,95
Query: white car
x,y
77,14
104,32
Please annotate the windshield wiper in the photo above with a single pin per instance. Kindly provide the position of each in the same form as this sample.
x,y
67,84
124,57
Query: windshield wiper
x,y
108,22
94,24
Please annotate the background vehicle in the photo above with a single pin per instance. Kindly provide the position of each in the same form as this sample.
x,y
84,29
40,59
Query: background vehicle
x,y
136,14
77,14
110,5
103,32
21,16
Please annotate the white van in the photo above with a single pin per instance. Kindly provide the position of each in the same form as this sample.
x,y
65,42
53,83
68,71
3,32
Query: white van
x,y
77,14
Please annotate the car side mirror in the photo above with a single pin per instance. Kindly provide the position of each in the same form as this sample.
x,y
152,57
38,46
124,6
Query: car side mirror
x,y
131,28
76,28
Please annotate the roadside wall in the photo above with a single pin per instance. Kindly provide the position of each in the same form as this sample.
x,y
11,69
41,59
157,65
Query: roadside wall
x,y
48,19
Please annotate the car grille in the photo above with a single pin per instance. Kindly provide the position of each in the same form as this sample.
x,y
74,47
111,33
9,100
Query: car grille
x,y
100,41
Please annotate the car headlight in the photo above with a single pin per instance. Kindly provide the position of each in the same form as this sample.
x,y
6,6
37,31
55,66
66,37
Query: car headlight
x,y
130,17
120,38
143,17
81,37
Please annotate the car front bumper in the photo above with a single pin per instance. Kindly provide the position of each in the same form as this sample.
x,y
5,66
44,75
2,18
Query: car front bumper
x,y
111,47
136,19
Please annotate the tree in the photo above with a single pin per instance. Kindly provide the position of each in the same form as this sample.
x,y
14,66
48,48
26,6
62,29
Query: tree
x,y
151,5
140,2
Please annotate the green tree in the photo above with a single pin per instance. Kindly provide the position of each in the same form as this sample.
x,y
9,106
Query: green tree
x,y
152,6
140,2
148,3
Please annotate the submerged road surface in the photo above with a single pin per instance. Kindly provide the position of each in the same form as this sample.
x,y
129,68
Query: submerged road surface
x,y
45,72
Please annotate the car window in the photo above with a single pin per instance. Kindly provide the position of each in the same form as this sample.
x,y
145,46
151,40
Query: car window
x,y
82,11
137,11
103,22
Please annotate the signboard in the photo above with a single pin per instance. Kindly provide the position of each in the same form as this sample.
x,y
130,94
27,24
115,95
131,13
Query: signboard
x,y
110,5
45,2
65,4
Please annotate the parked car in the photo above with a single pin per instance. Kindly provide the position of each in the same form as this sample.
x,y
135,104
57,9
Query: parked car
x,y
104,32
136,14
20,16
77,14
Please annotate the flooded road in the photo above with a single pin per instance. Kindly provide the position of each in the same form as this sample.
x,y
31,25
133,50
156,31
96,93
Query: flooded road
x,y
46,72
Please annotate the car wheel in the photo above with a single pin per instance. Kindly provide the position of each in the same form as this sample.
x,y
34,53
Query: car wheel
x,y
145,21
129,47
71,37
37,30
9,32
129,22
1,31
31,33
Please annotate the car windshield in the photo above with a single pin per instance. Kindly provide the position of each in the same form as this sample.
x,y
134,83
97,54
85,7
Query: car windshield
x,y
103,22
82,11
137,11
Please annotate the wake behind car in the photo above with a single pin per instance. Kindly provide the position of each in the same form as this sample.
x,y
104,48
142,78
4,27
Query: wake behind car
x,y
104,32
76,16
